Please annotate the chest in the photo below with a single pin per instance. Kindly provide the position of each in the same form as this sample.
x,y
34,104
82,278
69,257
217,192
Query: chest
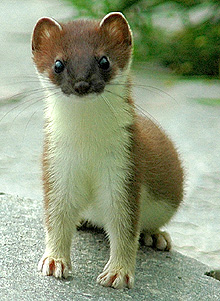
x,y
89,143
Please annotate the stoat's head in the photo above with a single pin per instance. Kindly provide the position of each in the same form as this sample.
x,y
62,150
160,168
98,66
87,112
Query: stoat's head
x,y
82,56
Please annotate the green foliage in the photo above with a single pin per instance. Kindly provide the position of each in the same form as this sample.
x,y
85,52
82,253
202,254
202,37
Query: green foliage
x,y
208,101
192,48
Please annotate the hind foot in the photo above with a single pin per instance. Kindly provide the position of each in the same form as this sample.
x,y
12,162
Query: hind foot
x,y
160,240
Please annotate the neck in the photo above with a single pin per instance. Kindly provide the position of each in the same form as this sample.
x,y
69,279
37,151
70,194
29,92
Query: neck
x,y
91,116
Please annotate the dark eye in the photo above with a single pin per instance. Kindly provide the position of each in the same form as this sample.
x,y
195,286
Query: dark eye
x,y
104,63
59,66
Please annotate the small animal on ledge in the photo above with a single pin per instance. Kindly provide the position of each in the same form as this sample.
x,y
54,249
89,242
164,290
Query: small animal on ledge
x,y
102,162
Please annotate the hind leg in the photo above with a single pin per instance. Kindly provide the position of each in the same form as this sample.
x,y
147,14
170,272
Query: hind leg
x,y
154,215
160,240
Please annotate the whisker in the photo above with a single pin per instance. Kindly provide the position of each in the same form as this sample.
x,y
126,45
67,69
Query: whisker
x,y
13,80
110,106
27,93
141,110
35,76
157,89
146,87
145,113
27,124
33,103
24,96
57,93
12,109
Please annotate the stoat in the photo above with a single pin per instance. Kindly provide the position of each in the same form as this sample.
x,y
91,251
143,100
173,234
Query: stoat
x,y
101,161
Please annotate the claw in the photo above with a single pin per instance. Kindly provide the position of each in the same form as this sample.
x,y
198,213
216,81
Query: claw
x,y
50,266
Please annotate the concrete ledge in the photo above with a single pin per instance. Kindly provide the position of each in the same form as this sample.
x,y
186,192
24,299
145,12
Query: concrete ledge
x,y
159,275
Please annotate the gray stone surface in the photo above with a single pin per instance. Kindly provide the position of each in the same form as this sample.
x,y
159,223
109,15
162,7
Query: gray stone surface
x,y
159,275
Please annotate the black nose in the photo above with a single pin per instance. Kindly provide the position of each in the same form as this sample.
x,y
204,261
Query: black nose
x,y
81,87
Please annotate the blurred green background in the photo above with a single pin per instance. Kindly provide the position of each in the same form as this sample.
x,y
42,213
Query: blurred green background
x,y
183,35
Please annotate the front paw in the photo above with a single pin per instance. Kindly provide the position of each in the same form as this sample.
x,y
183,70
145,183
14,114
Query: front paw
x,y
57,267
116,278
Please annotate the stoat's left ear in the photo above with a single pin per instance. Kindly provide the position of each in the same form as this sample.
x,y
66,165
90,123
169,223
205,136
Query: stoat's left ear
x,y
117,27
45,29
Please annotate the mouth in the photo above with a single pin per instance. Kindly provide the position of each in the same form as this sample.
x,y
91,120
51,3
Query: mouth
x,y
83,88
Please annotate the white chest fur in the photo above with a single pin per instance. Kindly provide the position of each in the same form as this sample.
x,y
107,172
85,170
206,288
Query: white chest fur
x,y
88,151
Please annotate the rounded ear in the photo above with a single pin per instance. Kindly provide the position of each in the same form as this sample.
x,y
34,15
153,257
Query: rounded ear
x,y
44,29
117,27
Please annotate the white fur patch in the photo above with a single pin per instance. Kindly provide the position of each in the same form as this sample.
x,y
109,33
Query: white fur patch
x,y
154,213
89,163
88,144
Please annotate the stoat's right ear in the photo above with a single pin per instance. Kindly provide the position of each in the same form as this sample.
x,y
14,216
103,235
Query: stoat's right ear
x,y
45,29
116,26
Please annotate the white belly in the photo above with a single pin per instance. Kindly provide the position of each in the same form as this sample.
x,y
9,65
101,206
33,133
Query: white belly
x,y
89,159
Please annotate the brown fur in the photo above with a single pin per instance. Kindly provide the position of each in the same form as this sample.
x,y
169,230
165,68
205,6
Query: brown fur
x,y
158,161
154,157
154,160
78,52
